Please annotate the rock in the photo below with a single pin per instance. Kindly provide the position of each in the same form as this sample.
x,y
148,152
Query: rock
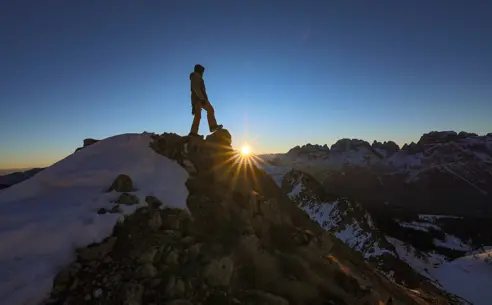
x,y
127,199
435,137
155,282
257,297
172,222
146,271
219,272
194,251
99,251
155,221
74,284
97,293
389,147
122,183
89,141
116,209
61,281
221,137
179,288
147,257
168,289
132,294
345,145
74,268
153,202
187,240
179,302
172,258
169,145
102,211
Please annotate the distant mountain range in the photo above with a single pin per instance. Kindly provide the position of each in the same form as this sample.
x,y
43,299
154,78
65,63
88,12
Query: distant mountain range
x,y
436,175
17,177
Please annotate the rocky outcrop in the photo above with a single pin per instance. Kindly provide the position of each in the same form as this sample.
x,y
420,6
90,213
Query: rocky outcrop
x,y
87,142
244,242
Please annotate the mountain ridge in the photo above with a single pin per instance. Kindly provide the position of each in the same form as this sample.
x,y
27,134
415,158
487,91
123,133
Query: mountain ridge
x,y
221,232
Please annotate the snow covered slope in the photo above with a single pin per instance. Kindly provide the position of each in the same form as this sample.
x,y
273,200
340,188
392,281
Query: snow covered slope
x,y
469,277
45,218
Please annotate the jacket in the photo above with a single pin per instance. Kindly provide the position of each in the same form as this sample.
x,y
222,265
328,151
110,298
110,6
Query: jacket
x,y
198,90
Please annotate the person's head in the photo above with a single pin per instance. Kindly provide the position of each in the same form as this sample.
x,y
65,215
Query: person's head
x,y
199,69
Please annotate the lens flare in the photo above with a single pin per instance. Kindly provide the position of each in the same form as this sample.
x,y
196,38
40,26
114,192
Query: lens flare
x,y
245,150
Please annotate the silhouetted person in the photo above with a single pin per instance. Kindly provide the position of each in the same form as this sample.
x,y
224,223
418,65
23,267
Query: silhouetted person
x,y
199,101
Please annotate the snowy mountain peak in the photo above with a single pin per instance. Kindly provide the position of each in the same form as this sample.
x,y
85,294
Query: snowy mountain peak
x,y
146,218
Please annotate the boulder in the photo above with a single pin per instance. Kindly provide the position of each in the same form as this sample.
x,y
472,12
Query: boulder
x,y
122,183
221,137
219,272
89,141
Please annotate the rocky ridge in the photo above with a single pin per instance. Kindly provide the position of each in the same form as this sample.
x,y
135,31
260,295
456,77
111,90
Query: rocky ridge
x,y
352,224
243,241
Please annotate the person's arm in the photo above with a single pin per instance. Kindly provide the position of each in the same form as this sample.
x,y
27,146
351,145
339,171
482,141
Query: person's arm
x,y
196,86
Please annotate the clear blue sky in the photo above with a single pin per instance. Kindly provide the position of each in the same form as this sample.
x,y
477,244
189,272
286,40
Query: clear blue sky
x,y
279,73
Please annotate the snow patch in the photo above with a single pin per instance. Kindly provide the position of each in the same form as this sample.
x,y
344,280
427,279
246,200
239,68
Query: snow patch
x,y
433,218
421,226
468,277
420,261
452,242
44,219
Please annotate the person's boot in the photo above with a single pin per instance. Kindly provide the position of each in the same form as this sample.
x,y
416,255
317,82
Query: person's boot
x,y
215,128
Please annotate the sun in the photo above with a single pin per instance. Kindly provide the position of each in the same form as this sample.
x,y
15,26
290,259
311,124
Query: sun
x,y
245,150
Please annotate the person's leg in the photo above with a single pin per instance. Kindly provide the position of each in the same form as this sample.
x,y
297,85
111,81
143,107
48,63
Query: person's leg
x,y
196,119
212,122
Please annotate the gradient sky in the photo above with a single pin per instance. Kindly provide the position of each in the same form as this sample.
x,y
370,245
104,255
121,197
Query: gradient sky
x,y
279,73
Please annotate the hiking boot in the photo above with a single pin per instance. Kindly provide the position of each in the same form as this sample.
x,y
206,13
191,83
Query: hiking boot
x,y
215,128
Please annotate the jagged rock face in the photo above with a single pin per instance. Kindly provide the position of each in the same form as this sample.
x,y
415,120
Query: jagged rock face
x,y
345,145
387,148
245,242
